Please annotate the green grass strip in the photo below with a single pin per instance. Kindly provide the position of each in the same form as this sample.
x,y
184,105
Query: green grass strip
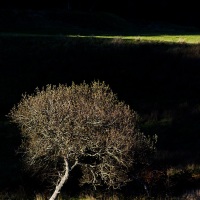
x,y
189,39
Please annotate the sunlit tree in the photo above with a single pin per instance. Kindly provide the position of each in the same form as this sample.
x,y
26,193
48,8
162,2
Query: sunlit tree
x,y
86,125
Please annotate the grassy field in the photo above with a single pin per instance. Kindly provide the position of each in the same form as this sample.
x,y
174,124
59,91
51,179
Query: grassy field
x,y
156,71
187,39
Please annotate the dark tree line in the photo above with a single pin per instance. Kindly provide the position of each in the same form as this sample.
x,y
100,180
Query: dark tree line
x,y
167,10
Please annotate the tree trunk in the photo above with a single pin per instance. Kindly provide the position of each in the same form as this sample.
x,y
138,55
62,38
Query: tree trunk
x,y
62,181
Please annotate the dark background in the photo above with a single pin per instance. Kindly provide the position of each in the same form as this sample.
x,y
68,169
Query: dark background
x,y
161,81
176,11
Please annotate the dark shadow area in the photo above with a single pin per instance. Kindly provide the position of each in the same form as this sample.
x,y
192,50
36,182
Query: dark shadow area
x,y
61,22
158,80
179,12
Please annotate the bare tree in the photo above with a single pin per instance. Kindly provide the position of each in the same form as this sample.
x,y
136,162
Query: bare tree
x,y
85,125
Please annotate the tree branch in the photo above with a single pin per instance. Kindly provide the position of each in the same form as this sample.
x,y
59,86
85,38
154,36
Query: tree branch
x,y
62,181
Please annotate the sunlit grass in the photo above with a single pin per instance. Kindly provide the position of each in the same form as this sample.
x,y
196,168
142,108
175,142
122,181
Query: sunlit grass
x,y
189,39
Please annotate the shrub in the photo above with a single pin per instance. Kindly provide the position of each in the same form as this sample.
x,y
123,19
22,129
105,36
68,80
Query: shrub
x,y
86,125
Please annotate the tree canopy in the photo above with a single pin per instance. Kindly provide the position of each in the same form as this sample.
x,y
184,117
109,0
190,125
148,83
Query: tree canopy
x,y
80,125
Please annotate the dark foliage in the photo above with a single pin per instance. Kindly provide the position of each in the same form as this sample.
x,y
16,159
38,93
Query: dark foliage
x,y
159,10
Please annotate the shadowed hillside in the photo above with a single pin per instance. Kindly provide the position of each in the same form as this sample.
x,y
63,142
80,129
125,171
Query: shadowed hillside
x,y
84,23
159,80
